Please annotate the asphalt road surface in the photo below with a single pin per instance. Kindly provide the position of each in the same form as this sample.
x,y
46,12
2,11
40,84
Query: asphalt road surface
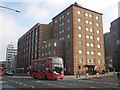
x,y
19,82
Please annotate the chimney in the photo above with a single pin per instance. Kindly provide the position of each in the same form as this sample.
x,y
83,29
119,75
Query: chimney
x,y
75,3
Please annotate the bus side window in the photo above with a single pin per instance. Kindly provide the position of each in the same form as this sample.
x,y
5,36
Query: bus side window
x,y
50,70
35,70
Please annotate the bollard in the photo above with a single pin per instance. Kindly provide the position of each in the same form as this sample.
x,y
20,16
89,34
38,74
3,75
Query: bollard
x,y
87,76
98,75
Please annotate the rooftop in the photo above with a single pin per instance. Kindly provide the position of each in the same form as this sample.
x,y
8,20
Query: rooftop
x,y
77,5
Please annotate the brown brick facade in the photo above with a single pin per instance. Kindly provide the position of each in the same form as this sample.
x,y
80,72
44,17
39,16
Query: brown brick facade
x,y
75,34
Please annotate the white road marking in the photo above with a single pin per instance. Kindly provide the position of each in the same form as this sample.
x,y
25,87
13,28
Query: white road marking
x,y
32,86
93,87
13,81
25,85
38,81
7,86
2,82
20,83
16,82
52,85
100,82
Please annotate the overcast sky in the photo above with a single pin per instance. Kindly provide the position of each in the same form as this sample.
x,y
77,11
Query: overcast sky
x,y
13,25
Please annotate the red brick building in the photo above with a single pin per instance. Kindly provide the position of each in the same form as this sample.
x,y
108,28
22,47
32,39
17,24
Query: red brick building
x,y
76,35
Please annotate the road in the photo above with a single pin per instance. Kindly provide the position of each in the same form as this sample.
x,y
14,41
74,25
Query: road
x,y
17,82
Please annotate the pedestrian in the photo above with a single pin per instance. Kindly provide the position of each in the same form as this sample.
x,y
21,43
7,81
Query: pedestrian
x,y
79,74
118,74
103,71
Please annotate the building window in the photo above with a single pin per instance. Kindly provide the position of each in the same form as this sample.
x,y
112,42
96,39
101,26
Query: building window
x,y
63,31
91,37
55,21
88,60
62,38
45,46
78,12
60,32
98,38
99,53
49,44
90,22
36,33
55,44
92,45
68,20
80,60
98,31
88,44
98,46
80,52
97,17
92,60
86,21
62,16
87,36
86,14
68,28
90,15
59,18
80,43
80,35
68,36
97,24
49,53
45,54
79,19
87,29
79,27
68,13
99,61
42,54
42,47
91,30
68,43
92,53
88,52
55,53
62,23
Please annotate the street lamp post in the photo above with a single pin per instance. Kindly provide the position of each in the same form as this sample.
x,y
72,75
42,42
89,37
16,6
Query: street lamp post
x,y
10,9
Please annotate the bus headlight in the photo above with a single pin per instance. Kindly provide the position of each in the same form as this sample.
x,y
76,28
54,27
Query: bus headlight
x,y
56,73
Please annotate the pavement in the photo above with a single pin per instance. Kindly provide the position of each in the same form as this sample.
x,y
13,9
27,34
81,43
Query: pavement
x,y
71,77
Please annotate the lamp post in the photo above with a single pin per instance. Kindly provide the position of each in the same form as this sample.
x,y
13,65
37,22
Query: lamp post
x,y
10,9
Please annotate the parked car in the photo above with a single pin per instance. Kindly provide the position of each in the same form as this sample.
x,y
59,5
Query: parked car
x,y
9,72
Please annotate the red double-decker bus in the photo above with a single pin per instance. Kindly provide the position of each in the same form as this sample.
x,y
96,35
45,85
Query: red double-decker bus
x,y
2,65
47,68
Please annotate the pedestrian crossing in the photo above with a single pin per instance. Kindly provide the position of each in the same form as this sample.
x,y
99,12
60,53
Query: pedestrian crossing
x,y
4,84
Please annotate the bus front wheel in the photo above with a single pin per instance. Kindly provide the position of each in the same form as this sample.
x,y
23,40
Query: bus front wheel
x,y
35,77
45,77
